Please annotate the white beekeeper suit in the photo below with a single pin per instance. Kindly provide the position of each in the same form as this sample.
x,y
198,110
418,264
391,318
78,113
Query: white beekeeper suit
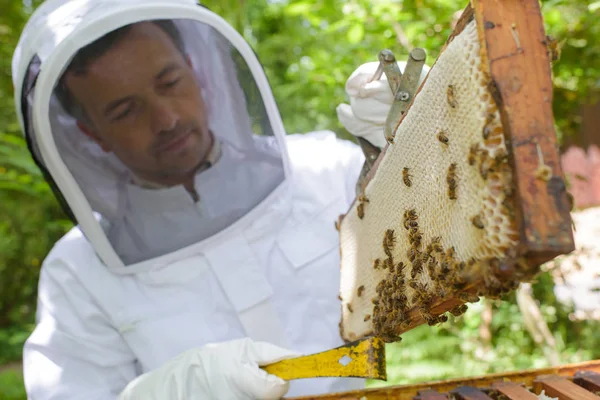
x,y
156,295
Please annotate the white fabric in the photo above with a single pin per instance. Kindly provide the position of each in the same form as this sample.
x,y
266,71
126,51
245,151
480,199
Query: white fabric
x,y
97,330
227,370
370,103
143,233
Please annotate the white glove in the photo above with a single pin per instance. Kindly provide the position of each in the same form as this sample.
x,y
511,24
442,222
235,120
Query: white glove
x,y
223,371
370,103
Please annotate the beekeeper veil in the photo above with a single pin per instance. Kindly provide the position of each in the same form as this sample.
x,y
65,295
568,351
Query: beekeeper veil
x,y
226,119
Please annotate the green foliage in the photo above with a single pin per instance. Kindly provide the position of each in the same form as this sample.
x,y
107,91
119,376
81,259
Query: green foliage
x,y
30,220
310,47
11,385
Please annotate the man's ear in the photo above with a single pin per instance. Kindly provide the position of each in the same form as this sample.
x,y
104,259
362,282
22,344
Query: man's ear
x,y
89,132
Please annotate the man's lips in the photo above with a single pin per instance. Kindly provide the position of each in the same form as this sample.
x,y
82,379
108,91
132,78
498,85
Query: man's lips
x,y
175,144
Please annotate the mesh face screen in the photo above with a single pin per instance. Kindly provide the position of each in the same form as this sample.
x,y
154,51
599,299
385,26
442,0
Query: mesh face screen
x,y
438,214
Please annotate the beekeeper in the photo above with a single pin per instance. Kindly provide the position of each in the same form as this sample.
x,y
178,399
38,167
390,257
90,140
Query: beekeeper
x,y
205,243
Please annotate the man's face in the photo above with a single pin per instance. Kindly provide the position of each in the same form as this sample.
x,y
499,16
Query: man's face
x,y
144,104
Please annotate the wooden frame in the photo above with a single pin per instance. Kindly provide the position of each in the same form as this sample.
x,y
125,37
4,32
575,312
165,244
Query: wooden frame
x,y
533,378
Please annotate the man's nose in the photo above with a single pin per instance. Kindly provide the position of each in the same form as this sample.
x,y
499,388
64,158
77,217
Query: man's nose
x,y
164,115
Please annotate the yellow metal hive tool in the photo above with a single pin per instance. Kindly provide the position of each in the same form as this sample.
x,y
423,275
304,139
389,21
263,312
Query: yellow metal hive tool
x,y
361,359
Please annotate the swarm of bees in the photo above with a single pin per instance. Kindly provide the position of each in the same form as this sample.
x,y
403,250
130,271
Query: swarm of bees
x,y
443,243
432,270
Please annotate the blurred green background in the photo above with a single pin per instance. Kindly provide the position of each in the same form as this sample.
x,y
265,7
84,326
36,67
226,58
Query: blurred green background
x,y
308,49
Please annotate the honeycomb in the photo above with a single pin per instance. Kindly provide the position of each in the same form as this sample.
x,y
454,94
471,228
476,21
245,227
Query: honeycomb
x,y
438,215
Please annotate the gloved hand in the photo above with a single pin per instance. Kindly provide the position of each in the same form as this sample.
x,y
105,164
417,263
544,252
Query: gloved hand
x,y
370,103
228,370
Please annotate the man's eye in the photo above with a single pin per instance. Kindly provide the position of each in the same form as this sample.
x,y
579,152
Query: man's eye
x,y
172,83
123,113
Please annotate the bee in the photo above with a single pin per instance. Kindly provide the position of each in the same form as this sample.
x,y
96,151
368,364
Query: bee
x,y
389,240
485,164
389,237
451,180
339,297
553,48
392,267
367,317
487,127
416,269
400,267
459,310
500,157
411,214
408,224
442,318
376,263
442,292
444,268
360,290
412,253
477,222
441,279
360,209
415,237
349,307
429,319
386,249
442,137
468,298
421,288
451,98
425,302
473,154
380,286
459,284
436,246
450,252
388,263
399,281
431,266
406,177
375,301
452,193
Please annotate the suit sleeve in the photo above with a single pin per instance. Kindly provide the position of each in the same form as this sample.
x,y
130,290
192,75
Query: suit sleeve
x,y
74,351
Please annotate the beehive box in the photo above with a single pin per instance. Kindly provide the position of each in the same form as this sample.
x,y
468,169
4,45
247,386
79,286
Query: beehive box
x,y
469,199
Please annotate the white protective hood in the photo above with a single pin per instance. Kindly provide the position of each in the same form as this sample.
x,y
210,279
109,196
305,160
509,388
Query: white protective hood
x,y
90,182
